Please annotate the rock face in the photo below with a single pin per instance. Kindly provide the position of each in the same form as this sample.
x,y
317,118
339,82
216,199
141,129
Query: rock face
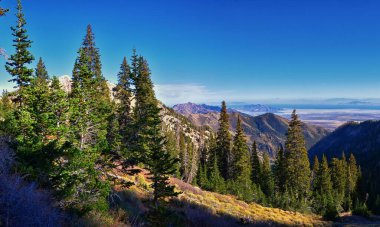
x,y
268,130
172,121
192,108
180,124
65,83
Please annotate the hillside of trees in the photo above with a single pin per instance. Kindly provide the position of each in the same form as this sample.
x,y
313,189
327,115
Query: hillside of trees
x,y
267,130
362,140
76,150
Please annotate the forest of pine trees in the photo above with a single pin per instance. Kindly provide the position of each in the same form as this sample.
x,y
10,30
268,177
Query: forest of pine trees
x,y
289,182
67,142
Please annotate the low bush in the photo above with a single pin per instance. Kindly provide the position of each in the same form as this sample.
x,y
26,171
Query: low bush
x,y
362,210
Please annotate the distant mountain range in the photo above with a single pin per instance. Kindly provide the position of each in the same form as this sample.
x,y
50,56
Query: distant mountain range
x,y
268,130
254,109
192,108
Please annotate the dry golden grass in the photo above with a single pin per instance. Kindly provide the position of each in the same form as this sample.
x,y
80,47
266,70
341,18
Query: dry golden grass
x,y
227,205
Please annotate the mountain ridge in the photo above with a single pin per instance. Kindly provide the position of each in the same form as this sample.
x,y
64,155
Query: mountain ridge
x,y
268,130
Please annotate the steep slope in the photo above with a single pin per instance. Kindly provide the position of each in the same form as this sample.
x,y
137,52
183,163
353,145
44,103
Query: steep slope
x,y
172,121
180,124
361,139
268,130
196,207
191,108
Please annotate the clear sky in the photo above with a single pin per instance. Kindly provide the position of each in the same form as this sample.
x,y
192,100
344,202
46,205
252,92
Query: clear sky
x,y
204,51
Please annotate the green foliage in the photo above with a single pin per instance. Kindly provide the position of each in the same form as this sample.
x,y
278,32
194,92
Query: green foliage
x,y
223,143
202,178
240,183
77,181
297,167
41,72
279,171
256,165
362,210
17,63
339,179
123,93
240,158
267,181
150,141
323,183
331,213
216,181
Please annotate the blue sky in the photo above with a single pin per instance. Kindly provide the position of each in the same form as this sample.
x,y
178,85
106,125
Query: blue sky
x,y
207,51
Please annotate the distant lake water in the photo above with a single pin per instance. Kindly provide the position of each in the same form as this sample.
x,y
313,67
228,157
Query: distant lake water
x,y
330,116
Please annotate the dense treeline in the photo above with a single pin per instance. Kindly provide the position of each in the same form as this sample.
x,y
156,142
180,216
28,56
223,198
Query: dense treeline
x,y
290,183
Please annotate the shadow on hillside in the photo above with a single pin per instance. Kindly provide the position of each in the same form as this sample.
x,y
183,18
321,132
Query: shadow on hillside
x,y
197,215
181,213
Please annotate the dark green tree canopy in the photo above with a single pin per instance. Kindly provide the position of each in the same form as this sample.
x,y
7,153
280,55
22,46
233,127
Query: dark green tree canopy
x,y
41,72
223,142
296,159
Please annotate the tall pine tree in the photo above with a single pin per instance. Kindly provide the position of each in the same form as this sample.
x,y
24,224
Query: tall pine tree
x,y
150,141
17,64
297,166
279,171
267,181
223,142
241,165
256,165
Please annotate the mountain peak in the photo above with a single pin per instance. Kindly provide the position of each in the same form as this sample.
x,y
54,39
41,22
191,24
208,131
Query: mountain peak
x,y
191,108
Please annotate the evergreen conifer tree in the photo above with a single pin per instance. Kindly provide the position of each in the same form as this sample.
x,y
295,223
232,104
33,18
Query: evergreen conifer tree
x,y
256,165
223,141
151,142
279,171
323,189
123,108
314,172
297,166
17,64
22,122
323,178
40,101
267,181
353,173
241,165
58,111
216,181
338,179
90,90
41,72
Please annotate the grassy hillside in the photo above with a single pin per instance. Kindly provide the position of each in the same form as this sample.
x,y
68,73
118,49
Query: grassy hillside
x,y
196,207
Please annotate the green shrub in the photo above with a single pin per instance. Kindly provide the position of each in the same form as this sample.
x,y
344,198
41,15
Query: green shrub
x,y
331,213
362,210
